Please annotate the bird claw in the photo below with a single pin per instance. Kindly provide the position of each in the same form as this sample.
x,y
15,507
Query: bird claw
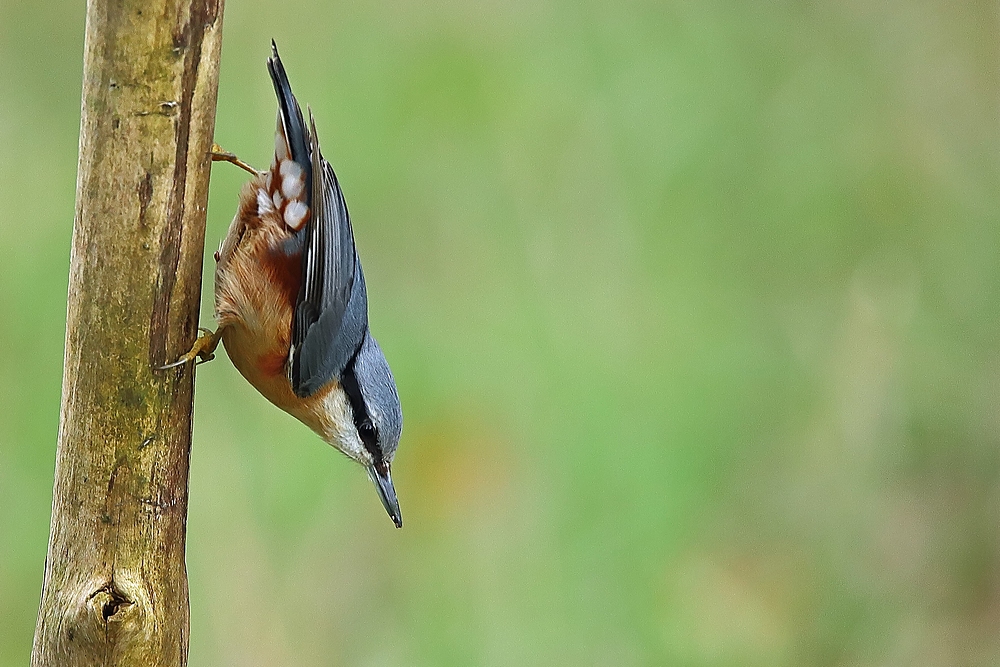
x,y
203,349
220,154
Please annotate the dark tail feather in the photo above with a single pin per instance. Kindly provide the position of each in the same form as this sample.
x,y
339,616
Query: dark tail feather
x,y
291,114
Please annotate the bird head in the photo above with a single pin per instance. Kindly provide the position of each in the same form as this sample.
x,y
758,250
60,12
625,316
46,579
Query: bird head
x,y
377,416
362,418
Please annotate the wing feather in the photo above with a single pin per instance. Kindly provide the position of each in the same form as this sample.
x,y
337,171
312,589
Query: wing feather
x,y
331,315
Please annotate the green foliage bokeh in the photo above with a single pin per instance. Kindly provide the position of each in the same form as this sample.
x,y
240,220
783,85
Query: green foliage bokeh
x,y
692,307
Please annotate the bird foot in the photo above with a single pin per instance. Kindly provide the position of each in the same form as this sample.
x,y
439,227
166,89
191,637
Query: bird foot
x,y
220,154
203,349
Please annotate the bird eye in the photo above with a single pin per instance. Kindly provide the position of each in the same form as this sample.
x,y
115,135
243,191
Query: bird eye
x,y
368,433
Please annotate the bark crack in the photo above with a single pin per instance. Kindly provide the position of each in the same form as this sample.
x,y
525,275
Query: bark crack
x,y
113,602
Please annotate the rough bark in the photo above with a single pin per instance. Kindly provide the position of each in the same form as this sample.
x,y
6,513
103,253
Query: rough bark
x,y
115,589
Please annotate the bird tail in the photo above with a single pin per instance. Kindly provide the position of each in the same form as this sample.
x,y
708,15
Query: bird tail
x,y
292,137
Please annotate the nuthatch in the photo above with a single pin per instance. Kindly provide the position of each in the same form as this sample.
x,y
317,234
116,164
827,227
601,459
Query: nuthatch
x,y
291,304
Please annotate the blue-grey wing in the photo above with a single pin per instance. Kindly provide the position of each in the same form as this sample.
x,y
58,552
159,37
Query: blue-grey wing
x,y
331,314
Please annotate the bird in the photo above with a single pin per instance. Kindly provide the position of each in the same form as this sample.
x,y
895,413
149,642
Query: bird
x,y
291,303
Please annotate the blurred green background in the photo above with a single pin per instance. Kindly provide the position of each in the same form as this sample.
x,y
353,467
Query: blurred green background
x,y
692,307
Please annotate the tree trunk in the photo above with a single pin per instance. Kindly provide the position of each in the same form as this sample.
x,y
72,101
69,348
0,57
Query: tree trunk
x,y
115,589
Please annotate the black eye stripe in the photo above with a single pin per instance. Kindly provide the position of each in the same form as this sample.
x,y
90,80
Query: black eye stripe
x,y
362,421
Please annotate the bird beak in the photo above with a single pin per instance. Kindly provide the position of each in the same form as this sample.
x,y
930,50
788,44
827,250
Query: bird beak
x,y
379,472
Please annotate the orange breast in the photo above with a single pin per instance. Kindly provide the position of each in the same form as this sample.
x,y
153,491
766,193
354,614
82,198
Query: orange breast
x,y
284,271
273,363
256,286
